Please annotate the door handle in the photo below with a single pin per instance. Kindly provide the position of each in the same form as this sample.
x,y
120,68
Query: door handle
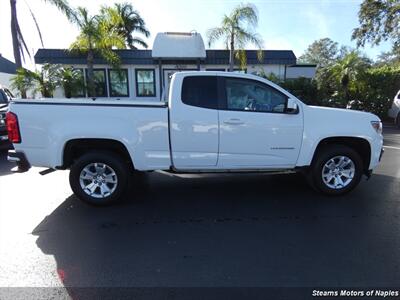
x,y
234,122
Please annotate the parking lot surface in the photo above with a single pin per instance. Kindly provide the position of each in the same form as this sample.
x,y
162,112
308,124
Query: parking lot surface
x,y
202,231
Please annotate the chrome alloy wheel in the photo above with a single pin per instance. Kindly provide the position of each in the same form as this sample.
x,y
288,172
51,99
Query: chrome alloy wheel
x,y
338,172
98,180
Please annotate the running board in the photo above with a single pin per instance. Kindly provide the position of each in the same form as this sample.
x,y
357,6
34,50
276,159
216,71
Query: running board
x,y
47,171
230,171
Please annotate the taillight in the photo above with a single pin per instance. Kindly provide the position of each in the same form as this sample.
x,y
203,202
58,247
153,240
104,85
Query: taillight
x,y
13,128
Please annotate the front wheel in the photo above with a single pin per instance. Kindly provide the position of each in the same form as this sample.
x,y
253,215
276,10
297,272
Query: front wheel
x,y
99,178
336,170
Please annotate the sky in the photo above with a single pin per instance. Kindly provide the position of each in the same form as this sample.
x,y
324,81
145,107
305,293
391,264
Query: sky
x,y
283,24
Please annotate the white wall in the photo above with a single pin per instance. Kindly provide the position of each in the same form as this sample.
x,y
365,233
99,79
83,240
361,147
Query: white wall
x,y
278,70
296,72
5,80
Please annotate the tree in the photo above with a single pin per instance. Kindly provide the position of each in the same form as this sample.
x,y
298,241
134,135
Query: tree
x,y
20,47
43,81
22,82
379,21
389,58
127,21
71,80
322,52
377,87
97,36
236,31
346,71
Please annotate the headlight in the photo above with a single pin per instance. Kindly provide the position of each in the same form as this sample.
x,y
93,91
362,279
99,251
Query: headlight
x,y
377,125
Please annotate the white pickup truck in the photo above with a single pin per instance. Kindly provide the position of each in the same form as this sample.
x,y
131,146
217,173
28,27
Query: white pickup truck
x,y
213,122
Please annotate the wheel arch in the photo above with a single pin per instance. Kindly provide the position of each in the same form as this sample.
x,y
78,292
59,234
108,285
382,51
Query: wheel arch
x,y
75,148
358,144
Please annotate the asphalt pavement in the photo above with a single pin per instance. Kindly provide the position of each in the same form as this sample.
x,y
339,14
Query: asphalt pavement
x,y
202,231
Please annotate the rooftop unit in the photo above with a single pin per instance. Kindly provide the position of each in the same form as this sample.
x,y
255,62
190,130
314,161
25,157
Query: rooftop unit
x,y
179,45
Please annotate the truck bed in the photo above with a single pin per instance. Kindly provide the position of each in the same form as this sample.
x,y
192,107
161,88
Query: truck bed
x,y
47,124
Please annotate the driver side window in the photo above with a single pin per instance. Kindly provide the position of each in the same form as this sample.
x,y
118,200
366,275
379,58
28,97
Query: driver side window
x,y
248,95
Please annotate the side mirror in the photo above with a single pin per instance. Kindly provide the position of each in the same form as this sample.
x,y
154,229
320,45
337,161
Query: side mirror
x,y
292,107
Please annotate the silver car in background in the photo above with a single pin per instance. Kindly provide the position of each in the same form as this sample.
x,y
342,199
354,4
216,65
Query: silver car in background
x,y
394,111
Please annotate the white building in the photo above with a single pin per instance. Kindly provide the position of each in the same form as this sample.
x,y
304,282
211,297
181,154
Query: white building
x,y
146,73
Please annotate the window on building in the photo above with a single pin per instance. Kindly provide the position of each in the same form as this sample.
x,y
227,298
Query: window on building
x,y
201,91
100,86
250,95
145,83
118,83
77,89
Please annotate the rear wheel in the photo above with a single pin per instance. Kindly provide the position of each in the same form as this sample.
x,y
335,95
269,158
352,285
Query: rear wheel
x,y
337,170
99,178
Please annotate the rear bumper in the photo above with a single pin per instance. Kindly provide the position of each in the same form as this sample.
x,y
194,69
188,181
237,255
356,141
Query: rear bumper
x,y
20,159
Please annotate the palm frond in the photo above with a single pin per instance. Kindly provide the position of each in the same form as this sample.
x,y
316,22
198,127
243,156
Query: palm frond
x,y
245,13
36,23
139,41
244,37
65,8
215,34
240,55
123,18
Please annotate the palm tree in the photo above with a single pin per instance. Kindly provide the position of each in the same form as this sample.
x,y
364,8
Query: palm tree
x,y
19,45
22,82
236,31
127,20
346,70
71,80
97,36
43,81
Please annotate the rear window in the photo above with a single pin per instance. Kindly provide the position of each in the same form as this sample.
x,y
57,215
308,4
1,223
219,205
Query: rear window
x,y
201,91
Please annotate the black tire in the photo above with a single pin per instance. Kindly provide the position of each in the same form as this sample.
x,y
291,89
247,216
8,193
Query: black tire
x,y
114,165
324,155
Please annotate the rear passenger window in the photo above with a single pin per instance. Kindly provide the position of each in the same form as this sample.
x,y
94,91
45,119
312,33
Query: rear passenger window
x,y
201,91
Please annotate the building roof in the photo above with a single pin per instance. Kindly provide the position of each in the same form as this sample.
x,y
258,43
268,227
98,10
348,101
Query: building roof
x,y
221,57
144,57
7,66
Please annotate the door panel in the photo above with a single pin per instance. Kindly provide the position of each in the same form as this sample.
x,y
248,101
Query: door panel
x,y
259,139
194,126
254,130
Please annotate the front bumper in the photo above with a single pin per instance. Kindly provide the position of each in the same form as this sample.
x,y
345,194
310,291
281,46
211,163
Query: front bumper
x,y
380,155
20,159
369,172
